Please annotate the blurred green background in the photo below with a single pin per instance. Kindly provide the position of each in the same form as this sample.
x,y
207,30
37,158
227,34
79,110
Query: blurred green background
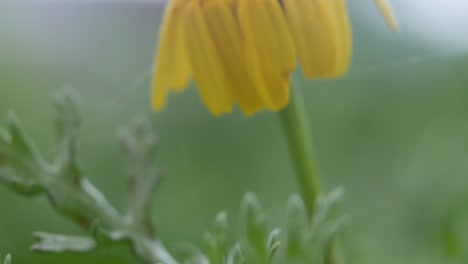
x,y
393,132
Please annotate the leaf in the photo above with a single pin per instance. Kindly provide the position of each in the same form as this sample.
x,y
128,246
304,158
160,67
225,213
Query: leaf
x,y
68,124
192,254
139,145
221,227
7,259
273,243
253,230
297,227
22,167
235,256
56,243
68,119
215,242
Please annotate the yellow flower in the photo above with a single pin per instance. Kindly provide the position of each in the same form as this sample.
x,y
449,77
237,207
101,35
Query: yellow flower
x,y
243,51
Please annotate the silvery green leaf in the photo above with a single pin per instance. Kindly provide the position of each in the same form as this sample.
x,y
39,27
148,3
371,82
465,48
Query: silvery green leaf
x,y
56,243
296,228
191,254
221,227
253,230
215,241
21,164
7,259
213,250
138,142
273,238
67,118
273,243
235,256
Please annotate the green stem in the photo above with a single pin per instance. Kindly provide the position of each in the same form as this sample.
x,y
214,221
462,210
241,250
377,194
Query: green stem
x,y
299,137
298,134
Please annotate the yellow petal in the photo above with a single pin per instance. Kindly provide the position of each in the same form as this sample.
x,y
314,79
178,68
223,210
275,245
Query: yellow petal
x,y
345,49
316,33
171,67
270,54
387,12
205,62
229,46
272,84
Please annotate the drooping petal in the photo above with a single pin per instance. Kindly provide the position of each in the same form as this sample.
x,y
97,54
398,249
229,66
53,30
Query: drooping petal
x,y
171,70
270,54
344,27
387,12
272,84
205,61
228,41
316,31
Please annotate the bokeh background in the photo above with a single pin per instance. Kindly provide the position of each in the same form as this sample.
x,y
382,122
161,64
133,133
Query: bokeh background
x,y
393,132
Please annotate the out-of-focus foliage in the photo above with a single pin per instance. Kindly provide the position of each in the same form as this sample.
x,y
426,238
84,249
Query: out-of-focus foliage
x,y
303,241
69,191
63,181
7,259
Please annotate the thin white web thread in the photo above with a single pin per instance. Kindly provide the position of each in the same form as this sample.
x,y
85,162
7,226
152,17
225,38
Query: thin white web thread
x,y
116,100
119,100
412,60
141,82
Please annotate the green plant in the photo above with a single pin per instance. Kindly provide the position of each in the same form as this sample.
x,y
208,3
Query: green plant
x,y
7,259
63,181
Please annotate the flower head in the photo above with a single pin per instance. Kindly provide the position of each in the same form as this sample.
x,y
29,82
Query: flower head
x,y
243,51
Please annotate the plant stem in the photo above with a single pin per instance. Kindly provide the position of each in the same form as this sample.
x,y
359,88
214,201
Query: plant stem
x,y
298,135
